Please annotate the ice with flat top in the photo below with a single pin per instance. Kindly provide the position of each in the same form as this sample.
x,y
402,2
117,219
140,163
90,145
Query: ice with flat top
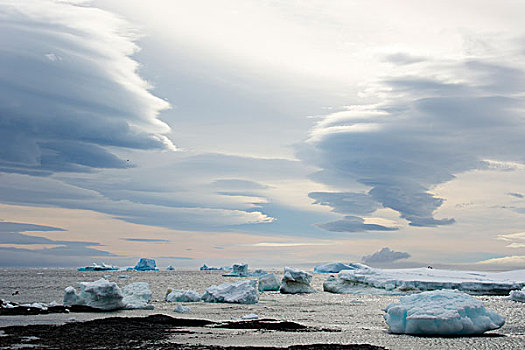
x,y
101,294
518,295
183,296
296,281
334,267
424,279
441,312
242,292
137,296
269,283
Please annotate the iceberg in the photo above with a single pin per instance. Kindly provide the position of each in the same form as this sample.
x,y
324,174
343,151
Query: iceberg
x,y
170,268
238,270
101,294
95,267
518,295
182,309
137,296
334,267
269,282
183,296
441,312
146,264
205,267
424,279
296,281
242,292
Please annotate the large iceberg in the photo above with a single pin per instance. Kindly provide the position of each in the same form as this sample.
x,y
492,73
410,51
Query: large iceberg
x,y
441,312
106,295
137,296
242,292
518,295
296,281
335,267
269,283
183,296
146,264
424,279
101,294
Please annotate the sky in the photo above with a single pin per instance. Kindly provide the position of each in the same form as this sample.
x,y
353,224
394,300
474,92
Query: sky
x,y
268,132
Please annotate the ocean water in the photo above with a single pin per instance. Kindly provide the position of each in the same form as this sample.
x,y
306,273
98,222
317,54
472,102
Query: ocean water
x,y
358,317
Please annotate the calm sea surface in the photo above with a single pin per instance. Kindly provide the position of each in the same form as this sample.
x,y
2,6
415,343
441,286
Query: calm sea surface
x,y
359,317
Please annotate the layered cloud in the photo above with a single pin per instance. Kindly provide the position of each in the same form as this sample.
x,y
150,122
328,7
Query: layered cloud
x,y
436,119
384,255
69,90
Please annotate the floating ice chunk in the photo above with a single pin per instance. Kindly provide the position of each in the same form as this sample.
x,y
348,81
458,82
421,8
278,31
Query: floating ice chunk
x,y
205,267
269,282
422,279
146,264
170,268
441,312
335,267
100,294
238,270
250,317
123,276
183,296
182,309
518,295
296,281
242,292
137,296
96,267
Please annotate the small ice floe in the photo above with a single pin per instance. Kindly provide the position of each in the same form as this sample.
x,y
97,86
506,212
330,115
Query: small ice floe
x,y
250,317
182,309
170,268
107,276
334,267
137,296
242,292
269,283
518,295
106,295
183,296
123,276
441,312
146,264
296,281
423,279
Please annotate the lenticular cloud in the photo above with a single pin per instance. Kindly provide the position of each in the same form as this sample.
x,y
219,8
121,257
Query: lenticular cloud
x,y
69,89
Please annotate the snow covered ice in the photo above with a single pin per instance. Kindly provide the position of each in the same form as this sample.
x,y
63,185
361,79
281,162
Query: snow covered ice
x,y
518,295
183,296
334,267
242,292
100,294
296,281
137,296
146,264
423,279
269,282
441,312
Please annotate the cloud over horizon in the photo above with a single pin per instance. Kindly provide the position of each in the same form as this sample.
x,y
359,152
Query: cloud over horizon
x,y
385,255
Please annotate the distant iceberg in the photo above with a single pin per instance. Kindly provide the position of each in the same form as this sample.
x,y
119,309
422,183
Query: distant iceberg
x,y
106,295
96,267
296,281
242,292
335,267
518,295
205,267
170,268
146,264
424,279
241,270
442,312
